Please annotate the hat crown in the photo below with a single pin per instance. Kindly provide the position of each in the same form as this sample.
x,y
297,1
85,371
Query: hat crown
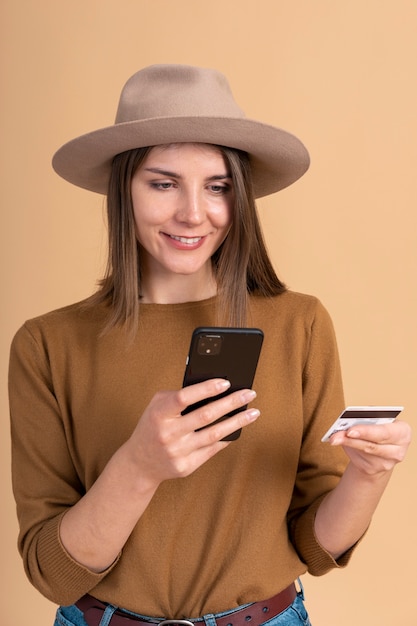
x,y
160,91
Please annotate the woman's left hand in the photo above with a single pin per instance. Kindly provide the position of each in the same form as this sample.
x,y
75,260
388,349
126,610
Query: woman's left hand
x,y
345,513
375,449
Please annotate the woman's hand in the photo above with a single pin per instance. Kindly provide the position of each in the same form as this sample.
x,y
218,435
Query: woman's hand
x,y
375,449
164,443
346,512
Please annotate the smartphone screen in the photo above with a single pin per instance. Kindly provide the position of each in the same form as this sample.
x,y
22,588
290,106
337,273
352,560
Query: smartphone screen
x,y
218,352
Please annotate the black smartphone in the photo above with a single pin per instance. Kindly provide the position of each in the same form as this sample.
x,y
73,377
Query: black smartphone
x,y
230,353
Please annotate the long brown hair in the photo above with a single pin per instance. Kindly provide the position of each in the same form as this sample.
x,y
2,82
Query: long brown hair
x,y
241,264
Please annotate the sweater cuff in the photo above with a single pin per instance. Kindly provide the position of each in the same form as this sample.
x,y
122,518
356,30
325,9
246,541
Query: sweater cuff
x,y
75,579
318,560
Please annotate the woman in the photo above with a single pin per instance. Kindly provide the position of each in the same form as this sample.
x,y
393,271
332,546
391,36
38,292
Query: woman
x,y
128,511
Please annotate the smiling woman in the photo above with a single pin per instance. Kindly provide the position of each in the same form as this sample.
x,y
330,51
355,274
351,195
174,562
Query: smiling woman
x,y
162,517
240,264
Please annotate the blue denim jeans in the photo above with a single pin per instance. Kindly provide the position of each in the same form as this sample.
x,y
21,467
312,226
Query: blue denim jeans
x,y
294,615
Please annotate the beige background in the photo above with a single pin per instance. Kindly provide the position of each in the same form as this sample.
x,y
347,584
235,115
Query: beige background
x,y
341,75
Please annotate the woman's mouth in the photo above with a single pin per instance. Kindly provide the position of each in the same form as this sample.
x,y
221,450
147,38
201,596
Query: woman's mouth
x,y
186,240
179,242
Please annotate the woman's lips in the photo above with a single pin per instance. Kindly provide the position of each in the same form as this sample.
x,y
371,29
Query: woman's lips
x,y
185,243
188,240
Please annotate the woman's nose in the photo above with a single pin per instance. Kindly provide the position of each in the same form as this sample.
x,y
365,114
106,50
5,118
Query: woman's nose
x,y
191,207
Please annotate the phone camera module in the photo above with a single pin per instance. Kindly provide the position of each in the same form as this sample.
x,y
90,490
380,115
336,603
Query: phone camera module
x,y
209,345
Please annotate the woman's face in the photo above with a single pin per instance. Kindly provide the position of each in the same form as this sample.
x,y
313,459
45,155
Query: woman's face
x,y
183,203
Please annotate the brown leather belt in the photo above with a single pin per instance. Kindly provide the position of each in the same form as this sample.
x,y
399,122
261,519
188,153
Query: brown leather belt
x,y
252,615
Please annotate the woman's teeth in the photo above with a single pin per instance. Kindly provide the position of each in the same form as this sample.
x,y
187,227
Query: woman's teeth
x,y
186,239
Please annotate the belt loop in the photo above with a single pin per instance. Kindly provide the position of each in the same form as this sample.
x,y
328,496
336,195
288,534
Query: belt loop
x,y
209,620
301,592
107,615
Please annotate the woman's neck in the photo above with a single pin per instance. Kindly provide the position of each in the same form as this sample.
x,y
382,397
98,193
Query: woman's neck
x,y
178,288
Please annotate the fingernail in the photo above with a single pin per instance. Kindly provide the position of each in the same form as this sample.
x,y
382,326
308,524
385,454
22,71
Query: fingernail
x,y
353,434
249,395
223,385
253,414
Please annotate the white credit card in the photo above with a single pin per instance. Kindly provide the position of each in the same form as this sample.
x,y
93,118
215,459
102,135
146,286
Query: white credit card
x,y
356,415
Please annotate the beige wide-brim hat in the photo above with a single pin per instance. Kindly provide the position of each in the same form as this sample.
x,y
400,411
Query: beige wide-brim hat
x,y
163,104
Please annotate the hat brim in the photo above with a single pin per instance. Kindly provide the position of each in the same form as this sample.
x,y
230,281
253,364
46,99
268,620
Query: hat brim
x,y
277,157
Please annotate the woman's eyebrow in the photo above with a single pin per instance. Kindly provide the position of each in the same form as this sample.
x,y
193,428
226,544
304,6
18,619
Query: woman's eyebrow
x,y
162,172
219,177
157,170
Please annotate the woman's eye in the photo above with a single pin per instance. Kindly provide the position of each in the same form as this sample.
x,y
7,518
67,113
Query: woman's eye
x,y
219,189
162,185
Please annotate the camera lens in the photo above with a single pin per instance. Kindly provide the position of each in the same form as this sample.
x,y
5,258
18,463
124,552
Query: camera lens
x,y
209,345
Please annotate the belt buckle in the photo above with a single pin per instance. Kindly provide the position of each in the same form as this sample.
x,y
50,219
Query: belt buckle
x,y
178,622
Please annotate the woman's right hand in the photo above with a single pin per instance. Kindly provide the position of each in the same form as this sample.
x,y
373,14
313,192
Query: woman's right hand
x,y
165,443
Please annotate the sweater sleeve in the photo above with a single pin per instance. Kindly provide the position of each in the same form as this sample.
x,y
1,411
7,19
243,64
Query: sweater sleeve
x,y
320,465
45,481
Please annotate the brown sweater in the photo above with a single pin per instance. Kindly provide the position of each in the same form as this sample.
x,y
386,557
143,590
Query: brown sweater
x,y
240,528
